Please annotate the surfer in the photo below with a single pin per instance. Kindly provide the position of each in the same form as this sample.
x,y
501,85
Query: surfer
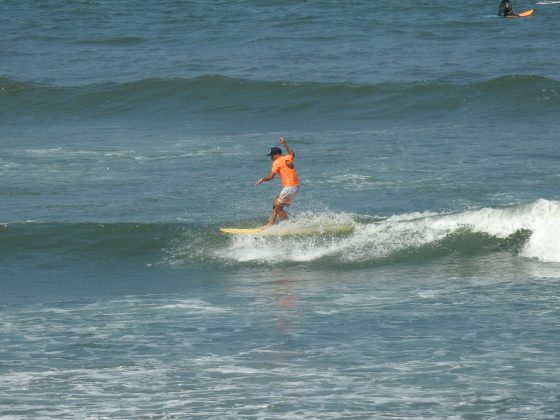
x,y
505,9
284,166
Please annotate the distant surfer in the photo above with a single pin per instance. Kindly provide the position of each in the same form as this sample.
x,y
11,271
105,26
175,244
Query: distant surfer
x,y
505,9
284,166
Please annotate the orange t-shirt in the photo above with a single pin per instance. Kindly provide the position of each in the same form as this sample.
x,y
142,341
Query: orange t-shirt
x,y
284,166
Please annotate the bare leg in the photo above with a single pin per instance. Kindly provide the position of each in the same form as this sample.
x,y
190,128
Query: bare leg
x,y
280,211
277,211
271,219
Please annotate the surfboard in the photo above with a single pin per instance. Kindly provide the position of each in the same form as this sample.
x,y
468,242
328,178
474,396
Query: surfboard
x,y
236,231
523,14
292,230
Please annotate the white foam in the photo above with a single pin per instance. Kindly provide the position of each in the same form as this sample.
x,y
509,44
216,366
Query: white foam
x,y
353,181
406,231
194,305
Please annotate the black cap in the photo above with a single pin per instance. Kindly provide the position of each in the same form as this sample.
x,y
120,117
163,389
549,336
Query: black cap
x,y
275,151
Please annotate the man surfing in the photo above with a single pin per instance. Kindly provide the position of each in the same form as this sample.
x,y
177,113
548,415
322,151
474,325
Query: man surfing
x,y
284,166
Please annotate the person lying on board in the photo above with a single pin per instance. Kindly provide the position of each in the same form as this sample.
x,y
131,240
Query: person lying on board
x,y
505,9
284,166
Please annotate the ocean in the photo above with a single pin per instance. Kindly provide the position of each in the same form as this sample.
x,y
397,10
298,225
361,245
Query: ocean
x,y
130,132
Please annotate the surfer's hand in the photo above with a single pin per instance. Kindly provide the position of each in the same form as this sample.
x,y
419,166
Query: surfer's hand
x,y
282,140
259,182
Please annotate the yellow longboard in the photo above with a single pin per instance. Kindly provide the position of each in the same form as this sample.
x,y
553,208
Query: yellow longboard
x,y
292,230
235,231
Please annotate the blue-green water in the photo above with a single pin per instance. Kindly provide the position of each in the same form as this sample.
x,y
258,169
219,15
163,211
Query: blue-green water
x,y
131,131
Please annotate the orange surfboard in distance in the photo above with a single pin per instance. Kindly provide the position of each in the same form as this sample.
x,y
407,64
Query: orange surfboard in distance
x,y
523,14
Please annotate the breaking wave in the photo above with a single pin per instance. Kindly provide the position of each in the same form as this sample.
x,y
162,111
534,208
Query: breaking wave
x,y
531,231
528,230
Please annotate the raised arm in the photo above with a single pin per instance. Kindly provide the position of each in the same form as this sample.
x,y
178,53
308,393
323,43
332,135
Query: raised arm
x,y
288,148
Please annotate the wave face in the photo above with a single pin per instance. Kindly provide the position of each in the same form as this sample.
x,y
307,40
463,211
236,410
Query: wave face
x,y
529,231
239,101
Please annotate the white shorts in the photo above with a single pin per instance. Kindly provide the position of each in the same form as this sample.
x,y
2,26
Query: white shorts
x,y
287,195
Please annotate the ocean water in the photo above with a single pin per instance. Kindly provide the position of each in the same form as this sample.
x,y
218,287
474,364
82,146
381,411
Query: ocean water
x,y
131,131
